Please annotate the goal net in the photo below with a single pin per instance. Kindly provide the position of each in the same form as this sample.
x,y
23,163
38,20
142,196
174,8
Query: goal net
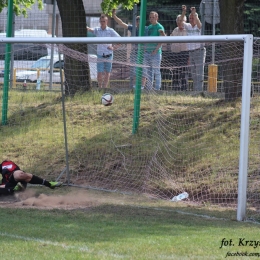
x,y
184,138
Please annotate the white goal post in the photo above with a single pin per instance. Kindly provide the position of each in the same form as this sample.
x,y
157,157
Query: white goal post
x,y
246,85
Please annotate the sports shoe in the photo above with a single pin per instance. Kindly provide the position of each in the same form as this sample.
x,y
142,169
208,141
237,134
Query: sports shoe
x,y
55,184
142,87
19,187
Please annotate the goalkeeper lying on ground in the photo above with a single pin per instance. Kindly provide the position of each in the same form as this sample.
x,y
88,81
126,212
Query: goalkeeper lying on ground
x,y
14,179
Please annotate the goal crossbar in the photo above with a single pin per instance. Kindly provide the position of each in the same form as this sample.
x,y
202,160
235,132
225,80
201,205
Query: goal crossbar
x,y
100,40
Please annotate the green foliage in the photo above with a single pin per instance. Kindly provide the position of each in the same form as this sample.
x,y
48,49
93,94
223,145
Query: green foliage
x,y
108,5
21,6
251,23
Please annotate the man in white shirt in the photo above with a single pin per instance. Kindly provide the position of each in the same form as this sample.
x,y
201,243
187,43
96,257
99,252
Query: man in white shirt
x,y
180,56
197,51
104,51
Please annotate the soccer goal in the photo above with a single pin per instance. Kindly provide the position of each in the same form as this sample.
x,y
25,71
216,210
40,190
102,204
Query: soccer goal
x,y
183,128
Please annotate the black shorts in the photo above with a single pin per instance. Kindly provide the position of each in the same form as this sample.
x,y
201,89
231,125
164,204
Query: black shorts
x,y
11,182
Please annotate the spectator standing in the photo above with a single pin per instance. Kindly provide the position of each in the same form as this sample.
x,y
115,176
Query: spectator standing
x,y
128,27
133,54
197,51
180,55
104,51
153,53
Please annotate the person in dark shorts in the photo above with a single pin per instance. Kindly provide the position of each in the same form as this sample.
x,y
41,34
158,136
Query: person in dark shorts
x,y
134,48
15,179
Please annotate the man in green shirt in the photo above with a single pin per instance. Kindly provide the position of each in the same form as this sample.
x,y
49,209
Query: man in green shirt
x,y
153,53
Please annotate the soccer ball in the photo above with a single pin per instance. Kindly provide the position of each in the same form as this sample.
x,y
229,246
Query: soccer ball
x,y
107,99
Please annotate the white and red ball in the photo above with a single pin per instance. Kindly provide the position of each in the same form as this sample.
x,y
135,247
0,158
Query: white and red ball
x,y
107,99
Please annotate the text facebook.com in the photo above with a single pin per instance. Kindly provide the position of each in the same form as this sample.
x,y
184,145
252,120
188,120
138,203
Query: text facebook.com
x,y
241,242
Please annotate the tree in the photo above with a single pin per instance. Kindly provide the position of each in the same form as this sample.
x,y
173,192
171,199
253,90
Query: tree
x,y
21,6
108,5
231,22
251,21
73,18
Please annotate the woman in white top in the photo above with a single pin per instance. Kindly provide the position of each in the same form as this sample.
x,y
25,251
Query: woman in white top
x,y
180,55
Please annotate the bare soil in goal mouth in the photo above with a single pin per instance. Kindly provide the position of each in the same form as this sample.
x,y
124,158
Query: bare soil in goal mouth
x,y
43,199
68,198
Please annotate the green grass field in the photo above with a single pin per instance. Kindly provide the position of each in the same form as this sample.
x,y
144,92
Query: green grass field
x,y
99,225
72,223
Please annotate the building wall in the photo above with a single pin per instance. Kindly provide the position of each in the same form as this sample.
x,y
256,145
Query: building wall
x,y
42,19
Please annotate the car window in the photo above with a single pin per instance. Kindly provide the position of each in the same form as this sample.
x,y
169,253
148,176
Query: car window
x,y
25,51
41,64
58,64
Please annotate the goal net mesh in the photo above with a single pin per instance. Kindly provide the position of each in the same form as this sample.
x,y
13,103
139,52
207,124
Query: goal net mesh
x,y
188,139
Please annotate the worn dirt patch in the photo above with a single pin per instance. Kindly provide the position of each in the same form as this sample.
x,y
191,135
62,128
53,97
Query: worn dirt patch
x,y
31,198
68,197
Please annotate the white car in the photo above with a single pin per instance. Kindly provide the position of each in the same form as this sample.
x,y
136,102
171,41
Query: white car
x,y
27,51
41,69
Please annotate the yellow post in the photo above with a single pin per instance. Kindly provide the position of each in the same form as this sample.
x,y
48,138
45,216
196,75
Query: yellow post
x,y
212,78
38,73
14,78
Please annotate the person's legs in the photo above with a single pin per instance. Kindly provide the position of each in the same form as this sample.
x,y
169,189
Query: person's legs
x,y
183,64
100,79
150,77
106,79
198,68
12,185
143,82
174,70
201,64
107,70
183,79
148,72
156,68
178,63
193,70
197,65
133,67
6,191
21,176
140,73
132,77
15,186
100,70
